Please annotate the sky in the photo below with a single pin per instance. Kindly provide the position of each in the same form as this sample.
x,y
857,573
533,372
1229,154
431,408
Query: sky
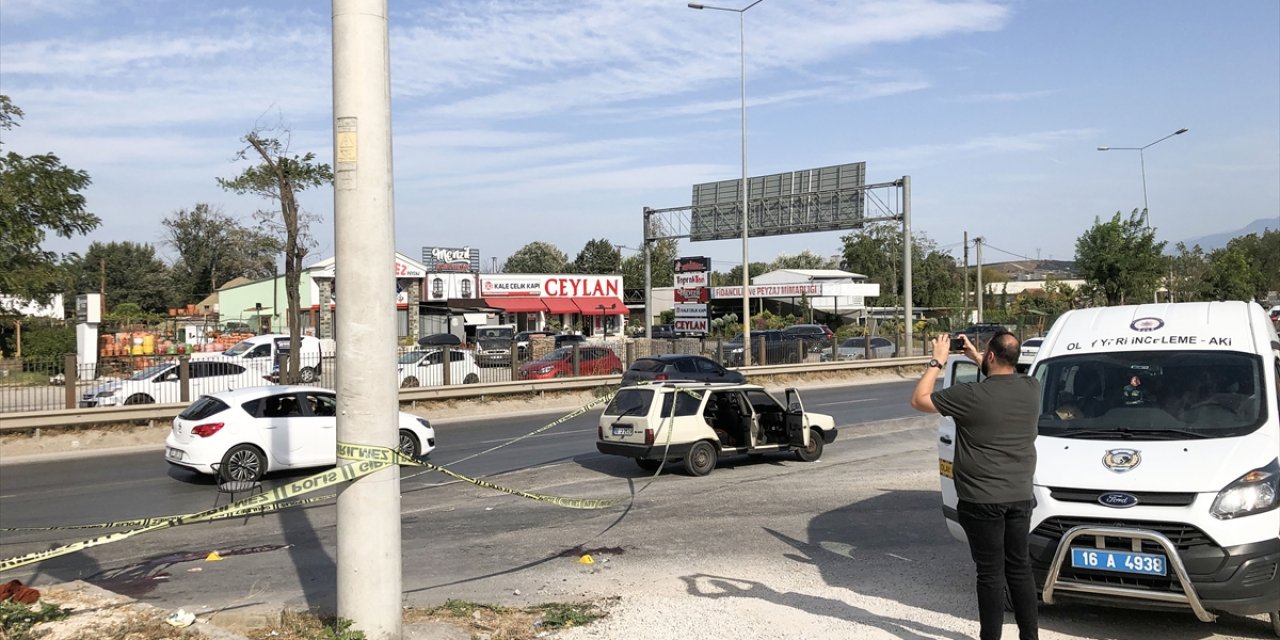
x,y
522,120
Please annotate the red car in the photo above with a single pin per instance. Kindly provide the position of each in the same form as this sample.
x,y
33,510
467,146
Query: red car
x,y
592,361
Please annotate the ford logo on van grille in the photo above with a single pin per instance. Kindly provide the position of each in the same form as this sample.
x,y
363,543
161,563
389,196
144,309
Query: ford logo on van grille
x,y
1117,500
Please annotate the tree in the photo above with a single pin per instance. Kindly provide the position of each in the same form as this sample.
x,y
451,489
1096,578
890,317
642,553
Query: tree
x,y
876,252
1263,252
1231,274
598,256
733,277
213,248
38,195
1120,259
804,260
537,257
127,272
1186,276
279,178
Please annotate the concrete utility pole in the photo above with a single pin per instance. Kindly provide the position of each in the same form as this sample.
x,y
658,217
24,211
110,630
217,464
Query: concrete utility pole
x,y
907,310
966,274
977,244
369,569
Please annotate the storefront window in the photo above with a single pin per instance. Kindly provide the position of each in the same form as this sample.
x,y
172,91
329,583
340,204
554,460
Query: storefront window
x,y
402,322
466,288
437,287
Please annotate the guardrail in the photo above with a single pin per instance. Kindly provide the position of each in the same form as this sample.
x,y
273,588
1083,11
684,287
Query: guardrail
x,y
73,418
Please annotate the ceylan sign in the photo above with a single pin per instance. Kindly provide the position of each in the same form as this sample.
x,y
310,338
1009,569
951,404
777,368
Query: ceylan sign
x,y
690,325
553,286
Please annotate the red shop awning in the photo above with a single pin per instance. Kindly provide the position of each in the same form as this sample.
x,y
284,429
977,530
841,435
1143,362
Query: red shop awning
x,y
560,305
517,304
592,306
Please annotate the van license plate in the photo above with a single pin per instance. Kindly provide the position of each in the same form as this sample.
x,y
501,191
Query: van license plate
x,y
622,431
1147,564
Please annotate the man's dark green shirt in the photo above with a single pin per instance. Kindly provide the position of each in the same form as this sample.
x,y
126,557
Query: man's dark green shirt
x,y
995,436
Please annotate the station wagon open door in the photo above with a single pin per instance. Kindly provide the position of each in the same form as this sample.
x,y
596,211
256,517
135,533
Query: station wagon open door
x,y
797,430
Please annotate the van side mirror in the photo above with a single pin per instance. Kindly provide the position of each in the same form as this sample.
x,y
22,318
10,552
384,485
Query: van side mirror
x,y
795,407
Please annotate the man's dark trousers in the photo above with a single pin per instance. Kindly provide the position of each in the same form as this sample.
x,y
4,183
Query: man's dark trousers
x,y
998,542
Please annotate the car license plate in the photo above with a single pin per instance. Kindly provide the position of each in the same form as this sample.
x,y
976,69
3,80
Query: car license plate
x,y
945,469
173,454
1119,561
622,431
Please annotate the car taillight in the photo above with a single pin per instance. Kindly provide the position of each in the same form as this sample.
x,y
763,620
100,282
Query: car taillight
x,y
208,429
661,376
600,433
648,437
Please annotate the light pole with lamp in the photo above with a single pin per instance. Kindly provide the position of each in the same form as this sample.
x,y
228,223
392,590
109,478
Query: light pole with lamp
x,y
1146,217
746,264
1146,214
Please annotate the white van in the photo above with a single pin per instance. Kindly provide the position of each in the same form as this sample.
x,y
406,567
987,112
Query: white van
x,y
260,353
1158,474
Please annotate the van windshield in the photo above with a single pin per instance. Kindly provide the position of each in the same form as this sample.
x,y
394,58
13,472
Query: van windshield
x,y
1152,395
239,348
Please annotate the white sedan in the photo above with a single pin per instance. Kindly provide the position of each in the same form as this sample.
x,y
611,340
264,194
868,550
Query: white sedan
x,y
161,383
250,432
1030,347
425,368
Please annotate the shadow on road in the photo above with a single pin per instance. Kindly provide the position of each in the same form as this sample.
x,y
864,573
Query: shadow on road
x,y
856,546
716,587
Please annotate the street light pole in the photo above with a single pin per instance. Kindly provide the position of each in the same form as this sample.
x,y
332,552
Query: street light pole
x,y
744,191
1142,161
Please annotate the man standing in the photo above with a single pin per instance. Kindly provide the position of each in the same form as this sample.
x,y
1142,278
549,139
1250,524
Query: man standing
x,y
995,459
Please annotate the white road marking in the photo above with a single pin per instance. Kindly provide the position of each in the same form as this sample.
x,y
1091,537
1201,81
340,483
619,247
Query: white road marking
x,y
894,555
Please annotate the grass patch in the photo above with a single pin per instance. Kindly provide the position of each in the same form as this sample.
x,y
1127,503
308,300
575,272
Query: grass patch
x,y
295,625
509,623
16,619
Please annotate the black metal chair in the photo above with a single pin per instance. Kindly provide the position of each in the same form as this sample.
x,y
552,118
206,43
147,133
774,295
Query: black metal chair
x,y
233,488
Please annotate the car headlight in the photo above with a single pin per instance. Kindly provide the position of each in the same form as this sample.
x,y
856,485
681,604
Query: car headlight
x,y
738,350
546,369
424,422
107,393
1254,492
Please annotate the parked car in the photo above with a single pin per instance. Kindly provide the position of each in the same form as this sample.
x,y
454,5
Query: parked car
x,y
856,349
250,432
592,361
440,340
161,383
662,331
262,354
525,338
980,334
778,348
697,423
569,339
425,368
677,366
493,345
1030,347
815,336
1275,313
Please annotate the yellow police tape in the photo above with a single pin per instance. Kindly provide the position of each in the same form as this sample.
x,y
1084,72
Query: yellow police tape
x,y
362,460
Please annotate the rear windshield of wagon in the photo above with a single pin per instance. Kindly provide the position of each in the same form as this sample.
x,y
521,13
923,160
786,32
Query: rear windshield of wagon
x,y
630,402
1153,395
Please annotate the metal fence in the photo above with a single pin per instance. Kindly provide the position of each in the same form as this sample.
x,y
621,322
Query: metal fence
x,y
40,384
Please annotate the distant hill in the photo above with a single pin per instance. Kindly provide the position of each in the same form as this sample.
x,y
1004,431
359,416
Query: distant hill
x,y
1220,240
1035,269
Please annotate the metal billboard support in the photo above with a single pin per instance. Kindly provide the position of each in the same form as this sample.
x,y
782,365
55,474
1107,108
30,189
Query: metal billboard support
x,y
678,223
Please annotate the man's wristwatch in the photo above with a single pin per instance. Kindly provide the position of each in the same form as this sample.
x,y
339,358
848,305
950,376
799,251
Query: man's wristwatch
x,y
934,363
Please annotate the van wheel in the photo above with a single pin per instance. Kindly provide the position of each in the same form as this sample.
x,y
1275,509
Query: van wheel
x,y
409,383
648,465
701,459
814,450
307,375
471,379
139,398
